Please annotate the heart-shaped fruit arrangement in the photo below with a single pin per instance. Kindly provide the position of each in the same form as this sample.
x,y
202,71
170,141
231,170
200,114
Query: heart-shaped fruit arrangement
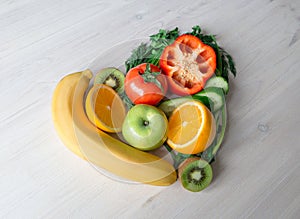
x,y
171,96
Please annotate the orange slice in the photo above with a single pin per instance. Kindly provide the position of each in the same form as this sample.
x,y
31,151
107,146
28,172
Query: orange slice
x,y
105,108
192,128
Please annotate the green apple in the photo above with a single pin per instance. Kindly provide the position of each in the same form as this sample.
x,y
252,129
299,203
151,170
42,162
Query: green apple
x,y
145,127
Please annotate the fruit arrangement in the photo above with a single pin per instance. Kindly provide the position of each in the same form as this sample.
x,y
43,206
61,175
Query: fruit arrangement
x,y
170,97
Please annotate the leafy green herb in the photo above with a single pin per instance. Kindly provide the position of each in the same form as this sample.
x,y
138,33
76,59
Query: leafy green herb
x,y
150,53
138,56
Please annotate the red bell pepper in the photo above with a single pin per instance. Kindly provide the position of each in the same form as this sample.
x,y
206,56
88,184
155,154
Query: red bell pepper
x,y
188,63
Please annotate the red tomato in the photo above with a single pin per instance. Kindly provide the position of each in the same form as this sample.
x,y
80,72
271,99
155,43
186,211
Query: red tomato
x,y
144,84
188,63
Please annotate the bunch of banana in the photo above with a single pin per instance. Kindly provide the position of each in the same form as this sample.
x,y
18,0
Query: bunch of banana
x,y
94,145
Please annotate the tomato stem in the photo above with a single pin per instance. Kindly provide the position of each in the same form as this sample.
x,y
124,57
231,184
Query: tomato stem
x,y
151,77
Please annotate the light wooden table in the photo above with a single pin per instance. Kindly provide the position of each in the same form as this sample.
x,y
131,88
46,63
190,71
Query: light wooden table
x,y
257,169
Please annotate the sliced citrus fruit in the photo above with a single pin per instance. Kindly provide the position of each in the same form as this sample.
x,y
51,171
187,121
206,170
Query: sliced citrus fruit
x,y
105,108
192,128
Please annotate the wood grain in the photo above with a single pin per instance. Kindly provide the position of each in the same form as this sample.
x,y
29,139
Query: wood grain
x,y
257,168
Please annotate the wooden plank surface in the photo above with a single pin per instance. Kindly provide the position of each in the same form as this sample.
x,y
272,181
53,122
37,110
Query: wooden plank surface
x,y
257,168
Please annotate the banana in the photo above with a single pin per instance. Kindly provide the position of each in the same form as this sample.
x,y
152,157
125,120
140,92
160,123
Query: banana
x,y
101,149
62,103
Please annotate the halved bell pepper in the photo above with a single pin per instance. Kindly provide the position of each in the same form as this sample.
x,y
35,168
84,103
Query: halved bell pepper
x,y
188,63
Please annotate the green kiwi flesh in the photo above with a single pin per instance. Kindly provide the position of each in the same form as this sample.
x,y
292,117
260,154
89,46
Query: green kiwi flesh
x,y
195,174
111,77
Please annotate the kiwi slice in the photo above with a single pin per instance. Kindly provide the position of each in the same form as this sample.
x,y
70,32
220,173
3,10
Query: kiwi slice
x,y
195,174
112,77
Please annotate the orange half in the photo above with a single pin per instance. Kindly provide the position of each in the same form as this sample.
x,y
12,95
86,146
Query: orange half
x,y
105,109
192,128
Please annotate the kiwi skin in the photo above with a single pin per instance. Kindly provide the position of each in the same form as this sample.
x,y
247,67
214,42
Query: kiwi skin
x,y
112,77
202,166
